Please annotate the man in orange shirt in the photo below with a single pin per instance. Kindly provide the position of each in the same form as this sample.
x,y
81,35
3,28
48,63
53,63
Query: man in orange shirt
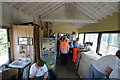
x,y
64,48
75,50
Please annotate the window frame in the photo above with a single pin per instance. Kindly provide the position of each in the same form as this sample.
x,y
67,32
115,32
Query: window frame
x,y
9,50
108,41
99,38
83,37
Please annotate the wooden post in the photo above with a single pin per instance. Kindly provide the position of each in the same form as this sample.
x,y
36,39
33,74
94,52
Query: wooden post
x,y
36,43
98,42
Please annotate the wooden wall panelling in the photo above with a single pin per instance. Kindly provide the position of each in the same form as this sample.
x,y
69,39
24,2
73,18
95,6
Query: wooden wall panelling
x,y
11,44
5,26
41,36
15,43
0,75
21,31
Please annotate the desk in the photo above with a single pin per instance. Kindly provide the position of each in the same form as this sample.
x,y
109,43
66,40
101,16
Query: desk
x,y
87,58
78,59
23,73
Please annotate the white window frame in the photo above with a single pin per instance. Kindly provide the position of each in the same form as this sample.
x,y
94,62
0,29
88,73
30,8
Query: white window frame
x,y
7,50
92,41
108,45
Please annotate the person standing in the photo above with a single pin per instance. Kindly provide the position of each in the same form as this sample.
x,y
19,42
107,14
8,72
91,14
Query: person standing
x,y
103,67
71,47
58,46
64,48
76,43
75,50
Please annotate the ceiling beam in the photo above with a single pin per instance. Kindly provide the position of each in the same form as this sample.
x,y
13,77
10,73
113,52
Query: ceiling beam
x,y
88,10
105,11
102,9
61,15
12,4
56,13
25,5
54,25
69,20
96,9
34,7
56,16
76,11
99,10
110,6
81,25
42,9
86,13
53,9
47,11
72,12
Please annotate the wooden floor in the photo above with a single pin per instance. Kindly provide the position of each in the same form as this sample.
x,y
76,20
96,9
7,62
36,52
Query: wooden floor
x,y
66,71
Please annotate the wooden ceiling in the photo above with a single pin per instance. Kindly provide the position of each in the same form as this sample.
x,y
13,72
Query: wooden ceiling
x,y
80,13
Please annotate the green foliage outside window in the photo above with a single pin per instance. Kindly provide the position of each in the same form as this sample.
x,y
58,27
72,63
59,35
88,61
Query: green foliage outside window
x,y
3,42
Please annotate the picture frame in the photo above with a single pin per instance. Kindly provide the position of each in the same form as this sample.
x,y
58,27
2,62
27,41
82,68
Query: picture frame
x,y
25,41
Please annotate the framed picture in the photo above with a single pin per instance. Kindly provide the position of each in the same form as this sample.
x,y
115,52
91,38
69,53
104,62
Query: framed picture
x,y
25,41
51,33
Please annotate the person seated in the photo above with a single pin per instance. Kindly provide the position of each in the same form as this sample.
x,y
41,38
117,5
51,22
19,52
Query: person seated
x,y
39,70
87,46
103,67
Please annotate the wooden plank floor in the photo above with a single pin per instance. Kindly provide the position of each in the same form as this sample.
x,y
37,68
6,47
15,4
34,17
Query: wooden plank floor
x,y
66,71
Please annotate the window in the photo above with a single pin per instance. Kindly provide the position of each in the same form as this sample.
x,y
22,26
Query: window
x,y
4,57
109,43
61,34
81,38
75,36
93,37
104,43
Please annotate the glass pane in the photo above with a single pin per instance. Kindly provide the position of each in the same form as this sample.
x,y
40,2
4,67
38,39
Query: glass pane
x,y
113,41
3,47
3,36
87,37
112,50
3,54
119,40
93,37
110,43
25,40
81,37
105,37
104,44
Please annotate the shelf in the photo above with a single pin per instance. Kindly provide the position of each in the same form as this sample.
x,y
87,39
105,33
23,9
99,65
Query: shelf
x,y
48,57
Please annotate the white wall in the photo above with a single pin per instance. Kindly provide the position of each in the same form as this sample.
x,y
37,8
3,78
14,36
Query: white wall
x,y
10,15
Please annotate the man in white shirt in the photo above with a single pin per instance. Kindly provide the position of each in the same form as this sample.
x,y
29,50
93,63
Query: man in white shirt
x,y
116,72
39,70
104,66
